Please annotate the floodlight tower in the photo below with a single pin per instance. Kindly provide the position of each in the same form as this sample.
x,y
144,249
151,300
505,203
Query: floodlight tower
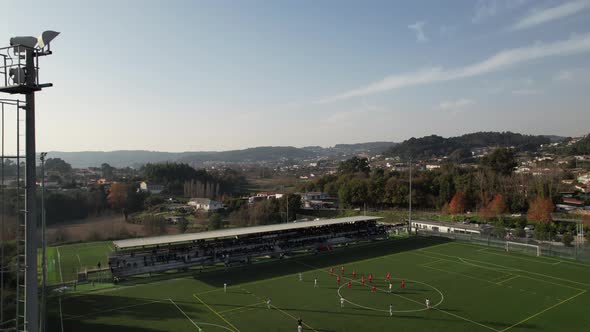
x,y
20,71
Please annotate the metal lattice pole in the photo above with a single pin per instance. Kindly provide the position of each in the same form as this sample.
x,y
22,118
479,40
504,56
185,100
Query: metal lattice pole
x,y
3,266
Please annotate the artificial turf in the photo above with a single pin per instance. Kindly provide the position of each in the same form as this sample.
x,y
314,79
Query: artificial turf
x,y
472,288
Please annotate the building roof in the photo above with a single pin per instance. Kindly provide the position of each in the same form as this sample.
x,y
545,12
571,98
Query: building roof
x,y
454,224
232,232
573,201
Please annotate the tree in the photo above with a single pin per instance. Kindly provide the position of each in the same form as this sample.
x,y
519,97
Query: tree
x,y
215,221
501,161
58,165
154,224
567,239
107,170
499,230
354,192
182,225
540,210
457,204
354,165
494,209
544,231
117,197
290,203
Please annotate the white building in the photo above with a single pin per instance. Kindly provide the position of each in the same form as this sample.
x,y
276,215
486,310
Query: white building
x,y
584,178
205,204
445,227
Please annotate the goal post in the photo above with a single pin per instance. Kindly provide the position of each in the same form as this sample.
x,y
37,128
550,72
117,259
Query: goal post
x,y
523,248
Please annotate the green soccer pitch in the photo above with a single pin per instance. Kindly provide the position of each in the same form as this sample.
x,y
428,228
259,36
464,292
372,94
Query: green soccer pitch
x,y
470,288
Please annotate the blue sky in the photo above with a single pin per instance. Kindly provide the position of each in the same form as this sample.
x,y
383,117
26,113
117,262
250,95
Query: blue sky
x,y
200,75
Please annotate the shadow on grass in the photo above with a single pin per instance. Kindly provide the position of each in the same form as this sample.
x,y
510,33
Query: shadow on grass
x,y
340,256
81,312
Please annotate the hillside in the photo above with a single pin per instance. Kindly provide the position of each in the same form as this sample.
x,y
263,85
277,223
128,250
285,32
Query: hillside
x,y
124,158
460,147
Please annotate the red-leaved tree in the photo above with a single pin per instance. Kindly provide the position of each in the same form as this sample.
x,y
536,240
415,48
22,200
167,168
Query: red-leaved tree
x,y
540,210
458,203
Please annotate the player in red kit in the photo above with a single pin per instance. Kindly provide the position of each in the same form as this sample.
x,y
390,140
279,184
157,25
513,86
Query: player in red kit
x,y
338,280
353,273
374,289
371,277
363,280
331,271
388,276
349,284
403,284
342,269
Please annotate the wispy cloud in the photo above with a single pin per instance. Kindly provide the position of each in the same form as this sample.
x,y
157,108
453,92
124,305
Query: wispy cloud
x,y
563,75
455,105
418,28
485,9
499,61
526,92
542,16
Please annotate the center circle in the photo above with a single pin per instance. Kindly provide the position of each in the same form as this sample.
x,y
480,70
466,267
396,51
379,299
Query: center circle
x,y
400,295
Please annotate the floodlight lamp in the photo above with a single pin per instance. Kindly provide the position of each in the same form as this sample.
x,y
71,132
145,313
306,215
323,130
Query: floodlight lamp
x,y
45,38
26,41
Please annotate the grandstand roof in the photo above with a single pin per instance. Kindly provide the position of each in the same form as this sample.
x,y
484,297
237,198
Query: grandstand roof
x,y
230,232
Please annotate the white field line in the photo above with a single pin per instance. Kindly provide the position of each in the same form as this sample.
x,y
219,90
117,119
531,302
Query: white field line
x,y
59,264
216,313
433,308
241,307
510,269
544,310
185,315
113,309
505,280
498,270
557,260
281,311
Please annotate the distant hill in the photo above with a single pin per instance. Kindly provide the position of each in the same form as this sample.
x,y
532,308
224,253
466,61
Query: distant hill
x,y
459,147
351,149
135,158
580,147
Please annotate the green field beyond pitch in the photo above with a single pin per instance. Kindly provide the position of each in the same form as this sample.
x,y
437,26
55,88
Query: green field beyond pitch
x,y
472,288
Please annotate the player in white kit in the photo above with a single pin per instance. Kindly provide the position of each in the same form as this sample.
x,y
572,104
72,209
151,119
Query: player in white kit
x,y
428,303
390,310
341,302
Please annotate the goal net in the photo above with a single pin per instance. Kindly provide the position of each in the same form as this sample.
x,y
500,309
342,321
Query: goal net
x,y
524,248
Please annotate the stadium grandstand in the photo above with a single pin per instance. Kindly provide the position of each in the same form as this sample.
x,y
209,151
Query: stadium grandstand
x,y
238,245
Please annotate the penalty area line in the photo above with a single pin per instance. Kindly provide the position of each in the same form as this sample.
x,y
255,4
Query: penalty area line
x,y
216,313
279,309
543,311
